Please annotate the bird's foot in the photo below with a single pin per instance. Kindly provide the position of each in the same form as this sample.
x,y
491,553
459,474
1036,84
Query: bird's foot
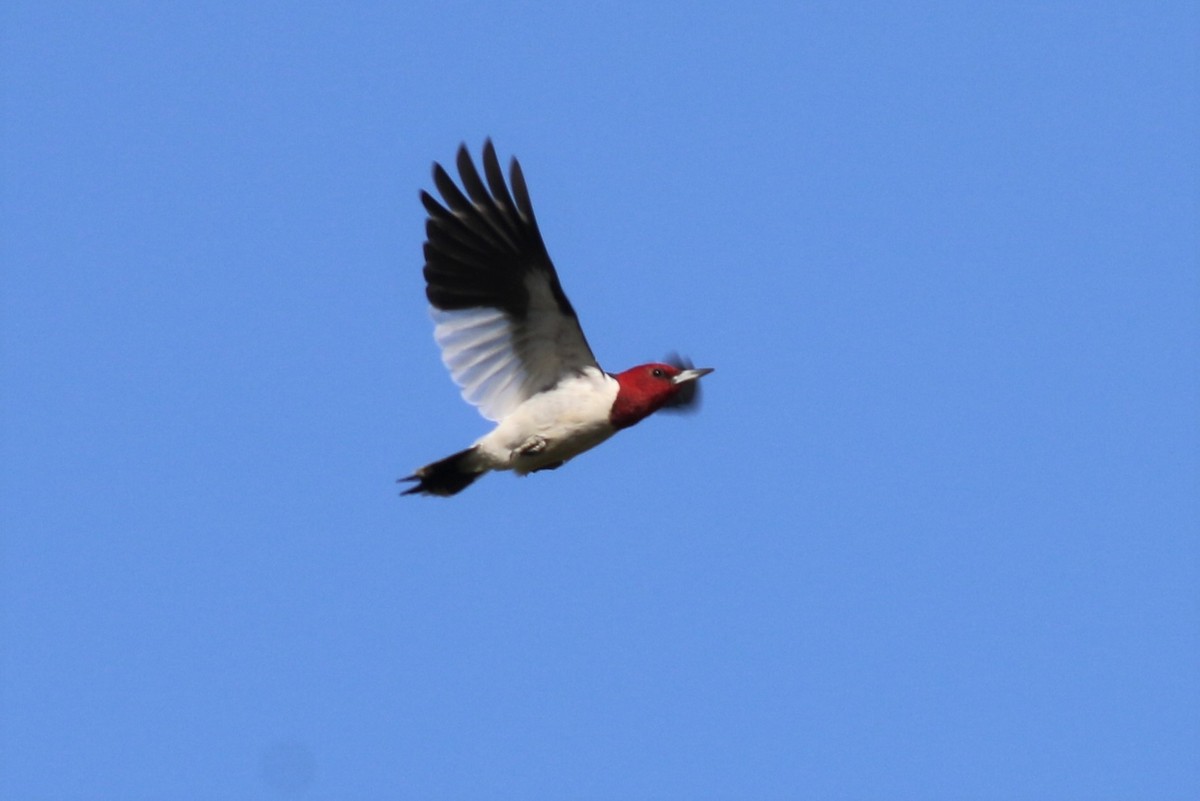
x,y
532,446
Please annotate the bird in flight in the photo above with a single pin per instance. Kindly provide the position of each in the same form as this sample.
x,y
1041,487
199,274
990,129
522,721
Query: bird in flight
x,y
511,339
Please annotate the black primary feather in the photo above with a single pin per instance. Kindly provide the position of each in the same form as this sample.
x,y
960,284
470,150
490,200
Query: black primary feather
x,y
483,244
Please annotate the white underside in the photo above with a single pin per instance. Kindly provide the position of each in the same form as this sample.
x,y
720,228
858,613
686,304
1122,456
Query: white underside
x,y
553,426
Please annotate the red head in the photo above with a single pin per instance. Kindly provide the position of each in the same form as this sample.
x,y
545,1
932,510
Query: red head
x,y
649,387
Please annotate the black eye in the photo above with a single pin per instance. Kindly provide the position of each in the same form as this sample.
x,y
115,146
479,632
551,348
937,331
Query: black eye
x,y
657,372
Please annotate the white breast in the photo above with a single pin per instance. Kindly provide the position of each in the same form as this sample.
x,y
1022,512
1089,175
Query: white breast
x,y
555,425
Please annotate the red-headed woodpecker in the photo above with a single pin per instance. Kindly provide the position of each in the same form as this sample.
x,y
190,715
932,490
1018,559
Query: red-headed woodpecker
x,y
511,340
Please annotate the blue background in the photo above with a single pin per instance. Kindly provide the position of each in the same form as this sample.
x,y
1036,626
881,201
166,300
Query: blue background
x,y
934,535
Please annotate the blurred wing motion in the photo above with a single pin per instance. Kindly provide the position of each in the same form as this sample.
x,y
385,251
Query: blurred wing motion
x,y
687,399
502,321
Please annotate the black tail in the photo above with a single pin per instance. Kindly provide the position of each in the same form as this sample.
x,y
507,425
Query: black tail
x,y
447,477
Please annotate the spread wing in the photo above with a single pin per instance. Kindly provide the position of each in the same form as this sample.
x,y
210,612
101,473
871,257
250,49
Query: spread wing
x,y
504,325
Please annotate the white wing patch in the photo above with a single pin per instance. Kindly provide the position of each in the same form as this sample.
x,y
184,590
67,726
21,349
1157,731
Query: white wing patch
x,y
477,349
499,363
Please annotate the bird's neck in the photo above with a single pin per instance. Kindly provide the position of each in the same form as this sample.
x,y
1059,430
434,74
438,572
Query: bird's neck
x,y
633,403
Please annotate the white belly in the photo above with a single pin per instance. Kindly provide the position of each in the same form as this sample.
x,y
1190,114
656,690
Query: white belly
x,y
554,426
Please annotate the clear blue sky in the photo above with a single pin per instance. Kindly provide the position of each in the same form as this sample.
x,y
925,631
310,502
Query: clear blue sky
x,y
934,535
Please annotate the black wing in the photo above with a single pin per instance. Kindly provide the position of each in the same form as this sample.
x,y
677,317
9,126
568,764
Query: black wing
x,y
504,324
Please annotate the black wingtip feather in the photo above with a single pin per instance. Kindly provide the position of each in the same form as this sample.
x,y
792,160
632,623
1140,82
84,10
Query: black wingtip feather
x,y
482,240
521,191
495,177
